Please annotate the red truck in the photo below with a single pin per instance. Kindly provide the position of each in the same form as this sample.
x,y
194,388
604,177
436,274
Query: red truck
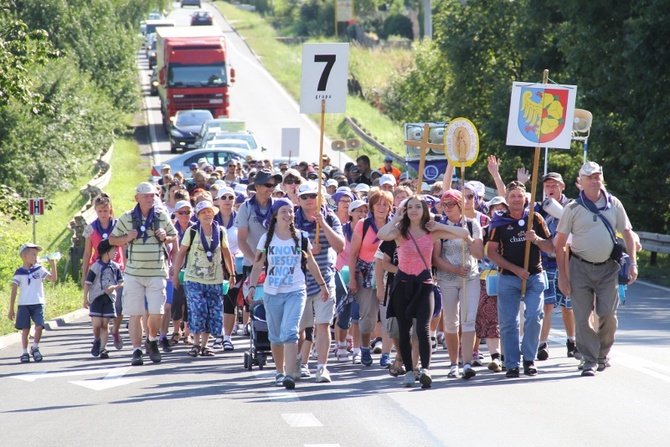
x,y
193,71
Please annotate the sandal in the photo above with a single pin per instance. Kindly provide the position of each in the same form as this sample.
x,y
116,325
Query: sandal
x,y
206,352
397,369
25,358
218,344
228,345
175,339
195,351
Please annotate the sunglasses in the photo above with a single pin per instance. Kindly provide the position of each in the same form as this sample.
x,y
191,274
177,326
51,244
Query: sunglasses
x,y
308,196
183,213
469,196
449,205
227,198
291,181
270,185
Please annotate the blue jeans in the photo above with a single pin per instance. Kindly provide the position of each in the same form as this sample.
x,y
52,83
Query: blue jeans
x,y
282,313
509,299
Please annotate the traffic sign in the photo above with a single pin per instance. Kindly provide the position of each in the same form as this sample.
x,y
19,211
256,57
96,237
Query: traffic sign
x,y
325,68
36,207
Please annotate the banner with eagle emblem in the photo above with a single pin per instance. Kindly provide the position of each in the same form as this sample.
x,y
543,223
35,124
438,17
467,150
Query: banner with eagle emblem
x,y
541,115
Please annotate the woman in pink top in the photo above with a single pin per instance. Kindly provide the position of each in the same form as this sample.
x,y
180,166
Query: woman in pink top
x,y
412,298
364,243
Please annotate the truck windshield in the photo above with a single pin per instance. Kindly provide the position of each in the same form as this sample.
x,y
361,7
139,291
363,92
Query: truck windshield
x,y
197,76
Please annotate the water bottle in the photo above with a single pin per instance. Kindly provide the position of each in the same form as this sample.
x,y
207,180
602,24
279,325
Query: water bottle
x,y
55,256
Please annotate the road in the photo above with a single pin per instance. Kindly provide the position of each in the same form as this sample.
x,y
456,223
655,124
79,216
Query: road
x,y
256,98
72,397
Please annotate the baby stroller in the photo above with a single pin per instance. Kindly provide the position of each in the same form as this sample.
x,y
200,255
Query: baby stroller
x,y
259,342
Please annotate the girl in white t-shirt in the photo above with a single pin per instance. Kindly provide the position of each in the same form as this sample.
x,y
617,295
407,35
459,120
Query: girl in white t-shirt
x,y
281,251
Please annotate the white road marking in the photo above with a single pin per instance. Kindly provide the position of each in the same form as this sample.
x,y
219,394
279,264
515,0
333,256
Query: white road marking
x,y
113,377
300,420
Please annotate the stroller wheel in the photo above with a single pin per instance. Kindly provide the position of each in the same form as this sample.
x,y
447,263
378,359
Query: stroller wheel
x,y
261,361
247,361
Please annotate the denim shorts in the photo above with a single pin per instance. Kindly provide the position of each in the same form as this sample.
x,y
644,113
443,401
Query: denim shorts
x,y
29,312
283,312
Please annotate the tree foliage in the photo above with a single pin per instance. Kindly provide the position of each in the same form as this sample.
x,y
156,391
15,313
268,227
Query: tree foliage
x,y
616,54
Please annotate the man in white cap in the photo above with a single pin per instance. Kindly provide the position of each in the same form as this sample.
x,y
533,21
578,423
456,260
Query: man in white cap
x,y
387,182
593,220
145,231
318,313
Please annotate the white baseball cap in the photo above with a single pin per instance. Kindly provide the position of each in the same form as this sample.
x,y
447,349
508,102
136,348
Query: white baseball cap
x,y
387,179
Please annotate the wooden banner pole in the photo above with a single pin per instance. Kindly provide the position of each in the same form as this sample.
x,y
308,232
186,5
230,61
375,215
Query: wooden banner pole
x,y
531,205
464,302
319,199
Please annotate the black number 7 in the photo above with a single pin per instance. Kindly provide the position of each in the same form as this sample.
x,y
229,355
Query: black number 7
x,y
329,59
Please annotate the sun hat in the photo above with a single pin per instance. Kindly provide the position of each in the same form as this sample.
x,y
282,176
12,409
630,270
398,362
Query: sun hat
x,y
205,204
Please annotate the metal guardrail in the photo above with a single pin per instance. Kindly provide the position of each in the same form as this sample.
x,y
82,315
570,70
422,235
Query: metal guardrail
x,y
655,243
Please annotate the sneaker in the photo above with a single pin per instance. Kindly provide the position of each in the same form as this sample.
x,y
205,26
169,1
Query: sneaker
x,y
453,371
588,372
218,344
350,343
433,344
356,358
495,365
245,330
322,375
512,373
25,358
408,381
543,351
228,345
603,362
442,340
279,379
377,346
385,361
146,346
572,347
165,345
366,358
137,358
288,382
154,353
104,354
425,379
118,343
581,364
296,368
304,371
312,353
529,368
95,350
476,359
468,372
342,355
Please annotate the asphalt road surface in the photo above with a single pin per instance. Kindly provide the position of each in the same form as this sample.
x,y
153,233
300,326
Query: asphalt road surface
x,y
70,397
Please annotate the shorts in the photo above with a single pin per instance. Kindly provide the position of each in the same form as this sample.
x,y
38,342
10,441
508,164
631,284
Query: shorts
x,y
29,312
102,307
282,313
552,294
318,311
179,307
136,288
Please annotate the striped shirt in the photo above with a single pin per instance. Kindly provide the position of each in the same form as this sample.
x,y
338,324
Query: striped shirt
x,y
326,258
146,259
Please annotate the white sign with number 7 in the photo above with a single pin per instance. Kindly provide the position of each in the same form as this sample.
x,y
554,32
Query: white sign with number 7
x,y
325,68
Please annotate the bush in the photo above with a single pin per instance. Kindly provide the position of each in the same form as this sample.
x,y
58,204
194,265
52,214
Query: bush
x,y
397,25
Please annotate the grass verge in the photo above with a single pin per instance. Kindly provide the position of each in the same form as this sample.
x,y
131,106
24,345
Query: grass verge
x,y
128,169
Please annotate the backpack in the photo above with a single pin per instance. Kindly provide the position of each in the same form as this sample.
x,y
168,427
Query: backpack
x,y
155,225
193,233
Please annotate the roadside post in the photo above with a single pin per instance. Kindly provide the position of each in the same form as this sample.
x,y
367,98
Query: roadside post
x,y
35,208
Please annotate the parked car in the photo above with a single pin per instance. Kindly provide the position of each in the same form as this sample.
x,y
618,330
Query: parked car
x,y
246,136
184,128
215,157
153,83
229,143
191,3
201,18
216,125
